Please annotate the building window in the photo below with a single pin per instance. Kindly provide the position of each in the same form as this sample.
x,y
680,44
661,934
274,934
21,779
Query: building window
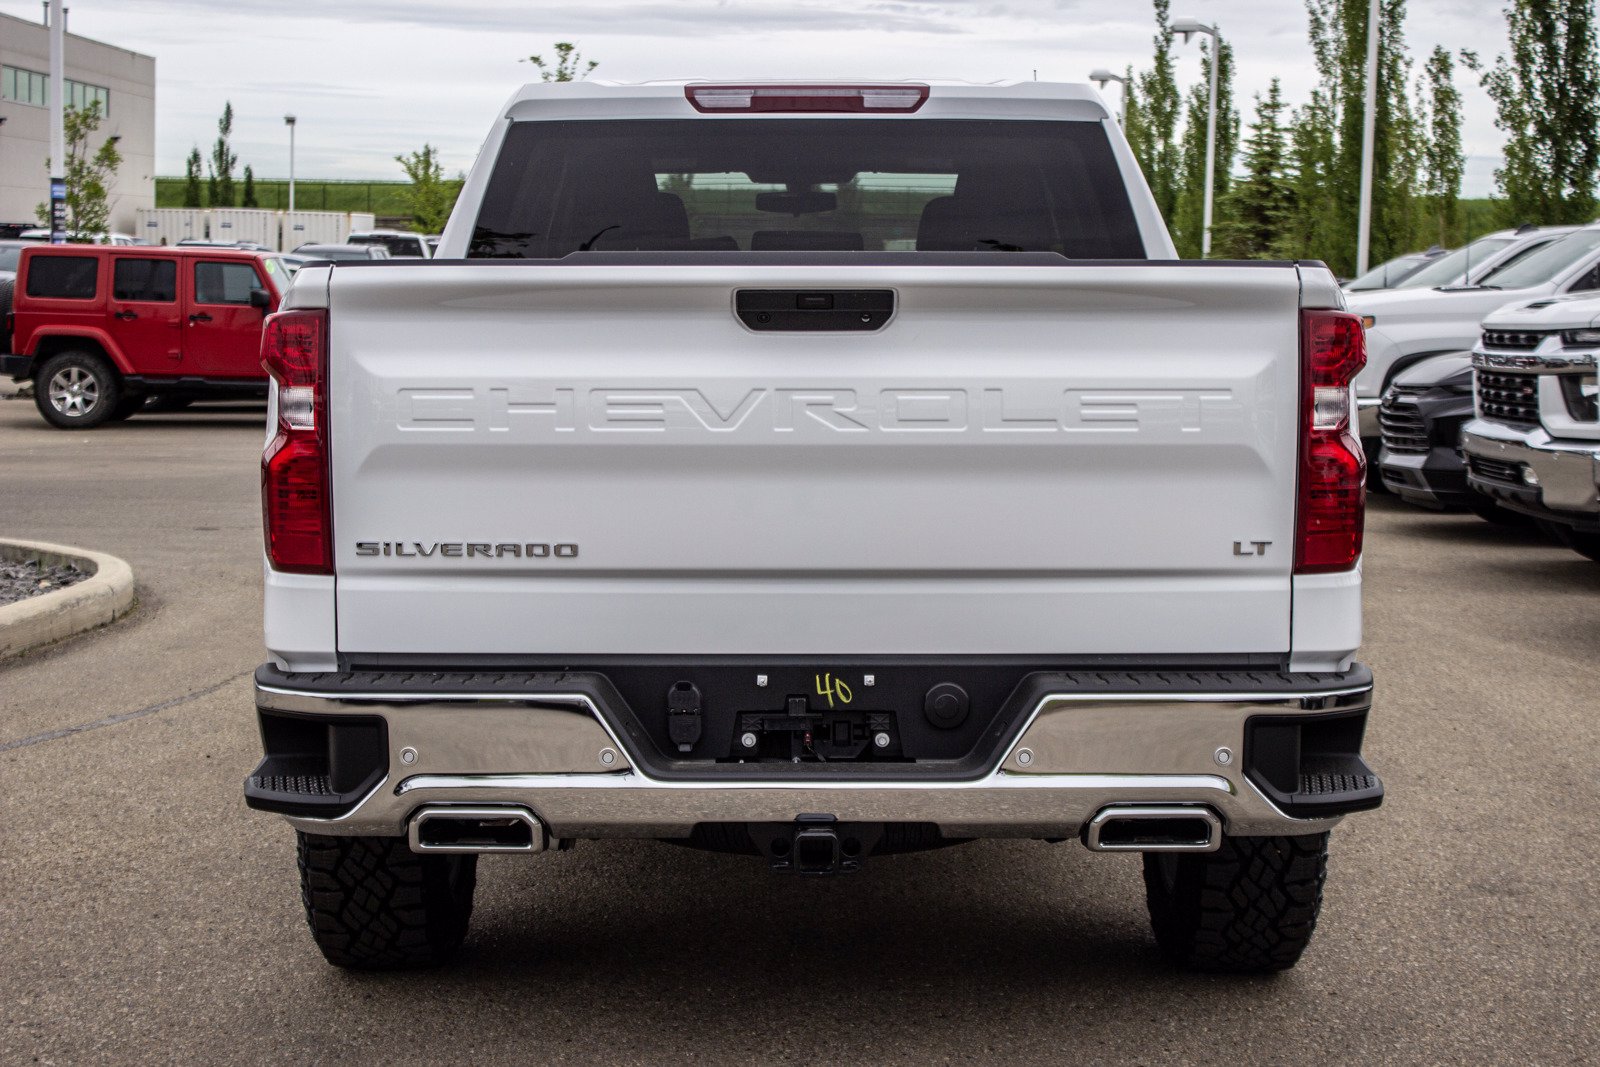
x,y
31,87
25,86
81,95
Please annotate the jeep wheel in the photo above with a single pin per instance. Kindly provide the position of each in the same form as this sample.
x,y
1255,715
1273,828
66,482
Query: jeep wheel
x,y
373,904
77,390
1248,908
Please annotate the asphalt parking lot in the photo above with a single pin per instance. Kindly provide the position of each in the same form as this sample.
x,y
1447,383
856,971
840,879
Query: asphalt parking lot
x,y
148,915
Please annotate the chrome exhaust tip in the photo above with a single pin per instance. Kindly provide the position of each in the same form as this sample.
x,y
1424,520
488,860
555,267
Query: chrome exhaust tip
x,y
444,828
1168,828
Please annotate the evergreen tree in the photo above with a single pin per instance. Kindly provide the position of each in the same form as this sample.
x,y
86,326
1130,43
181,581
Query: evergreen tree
x,y
248,199
1152,126
1188,221
1442,161
1547,95
1259,205
1314,222
223,160
191,179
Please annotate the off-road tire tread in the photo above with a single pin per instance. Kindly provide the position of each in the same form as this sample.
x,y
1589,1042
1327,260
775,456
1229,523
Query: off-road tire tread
x,y
373,904
1248,908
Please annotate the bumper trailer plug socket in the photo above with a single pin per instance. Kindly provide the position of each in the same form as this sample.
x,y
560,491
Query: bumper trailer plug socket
x,y
683,715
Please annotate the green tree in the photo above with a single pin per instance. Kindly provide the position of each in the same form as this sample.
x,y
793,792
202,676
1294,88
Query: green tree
x,y
1259,205
223,160
89,174
1311,163
191,179
1188,220
1338,31
429,198
1152,124
569,66
1547,99
1439,103
248,198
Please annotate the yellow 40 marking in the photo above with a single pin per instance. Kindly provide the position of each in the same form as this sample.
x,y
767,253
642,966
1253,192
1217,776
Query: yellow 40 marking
x,y
833,688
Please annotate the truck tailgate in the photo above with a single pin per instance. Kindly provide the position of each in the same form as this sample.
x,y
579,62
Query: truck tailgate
x,y
588,459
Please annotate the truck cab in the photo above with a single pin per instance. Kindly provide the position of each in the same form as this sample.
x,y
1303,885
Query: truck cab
x,y
98,329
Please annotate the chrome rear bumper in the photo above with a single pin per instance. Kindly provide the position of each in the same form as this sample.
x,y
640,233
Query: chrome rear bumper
x,y
556,754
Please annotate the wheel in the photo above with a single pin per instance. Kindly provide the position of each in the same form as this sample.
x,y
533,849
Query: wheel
x,y
373,904
8,284
77,390
1485,508
1584,544
1247,908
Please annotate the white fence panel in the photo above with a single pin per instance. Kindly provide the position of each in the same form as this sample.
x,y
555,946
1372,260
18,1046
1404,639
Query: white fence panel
x,y
169,225
255,225
277,230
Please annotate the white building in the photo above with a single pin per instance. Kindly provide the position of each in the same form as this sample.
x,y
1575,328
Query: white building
x,y
125,84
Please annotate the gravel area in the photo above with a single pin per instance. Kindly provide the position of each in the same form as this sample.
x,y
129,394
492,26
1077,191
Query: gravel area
x,y
26,578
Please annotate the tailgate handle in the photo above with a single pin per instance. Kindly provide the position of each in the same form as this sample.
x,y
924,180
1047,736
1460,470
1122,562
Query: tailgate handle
x,y
811,310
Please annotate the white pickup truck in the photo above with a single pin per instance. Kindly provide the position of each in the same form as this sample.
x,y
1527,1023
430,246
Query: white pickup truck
x,y
1534,445
812,472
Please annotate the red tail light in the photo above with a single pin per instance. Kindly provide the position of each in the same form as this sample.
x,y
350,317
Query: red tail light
x,y
296,516
888,99
1332,498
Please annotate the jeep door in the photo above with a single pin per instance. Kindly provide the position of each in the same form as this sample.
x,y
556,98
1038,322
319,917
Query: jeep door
x,y
146,317
222,326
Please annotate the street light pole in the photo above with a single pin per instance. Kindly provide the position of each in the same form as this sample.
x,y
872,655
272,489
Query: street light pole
x,y
1100,77
1188,27
58,133
288,120
1368,131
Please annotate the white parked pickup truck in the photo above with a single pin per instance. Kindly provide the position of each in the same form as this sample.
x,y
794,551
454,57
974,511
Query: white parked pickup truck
x,y
812,472
1534,445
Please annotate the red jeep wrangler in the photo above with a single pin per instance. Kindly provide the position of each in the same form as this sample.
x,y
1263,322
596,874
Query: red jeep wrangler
x,y
100,329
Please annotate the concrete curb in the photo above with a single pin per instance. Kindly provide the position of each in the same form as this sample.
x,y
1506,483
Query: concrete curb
x,y
97,600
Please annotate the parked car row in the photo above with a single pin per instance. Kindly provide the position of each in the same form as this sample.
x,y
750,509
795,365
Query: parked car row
x,y
1508,424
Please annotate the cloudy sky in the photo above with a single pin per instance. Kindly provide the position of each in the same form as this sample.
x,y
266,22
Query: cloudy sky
x,y
374,78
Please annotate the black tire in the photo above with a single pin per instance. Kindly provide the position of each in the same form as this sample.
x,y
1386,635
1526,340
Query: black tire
x,y
8,284
373,904
127,408
1248,908
1584,544
1487,509
100,390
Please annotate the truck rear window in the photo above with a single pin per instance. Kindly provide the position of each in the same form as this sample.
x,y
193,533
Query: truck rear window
x,y
790,184
63,277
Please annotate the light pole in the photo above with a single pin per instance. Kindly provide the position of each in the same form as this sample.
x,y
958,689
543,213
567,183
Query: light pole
x,y
1100,77
288,120
1189,27
58,137
1368,128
